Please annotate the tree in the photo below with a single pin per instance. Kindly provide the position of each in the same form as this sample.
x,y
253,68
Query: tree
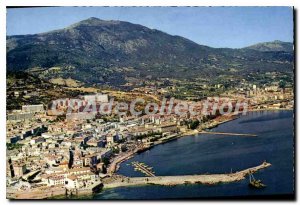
x,y
282,84
105,160
194,124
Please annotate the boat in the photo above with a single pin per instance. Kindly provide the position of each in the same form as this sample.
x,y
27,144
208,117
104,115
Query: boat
x,y
253,183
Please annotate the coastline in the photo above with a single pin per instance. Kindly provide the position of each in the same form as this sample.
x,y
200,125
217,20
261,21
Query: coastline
x,y
53,192
272,109
114,168
115,165
141,181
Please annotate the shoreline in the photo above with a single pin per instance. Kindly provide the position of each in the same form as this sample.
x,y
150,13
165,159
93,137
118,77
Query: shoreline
x,y
232,116
113,168
53,192
159,180
272,109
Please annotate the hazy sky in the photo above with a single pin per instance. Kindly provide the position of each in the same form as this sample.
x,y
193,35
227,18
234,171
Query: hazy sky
x,y
232,27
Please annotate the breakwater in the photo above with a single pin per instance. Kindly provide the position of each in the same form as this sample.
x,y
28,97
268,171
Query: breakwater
x,y
183,179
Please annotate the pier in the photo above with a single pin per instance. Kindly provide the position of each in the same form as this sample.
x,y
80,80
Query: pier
x,y
228,133
143,168
208,179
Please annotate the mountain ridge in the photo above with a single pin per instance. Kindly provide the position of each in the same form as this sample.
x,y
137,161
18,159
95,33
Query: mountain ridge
x,y
275,45
97,21
100,51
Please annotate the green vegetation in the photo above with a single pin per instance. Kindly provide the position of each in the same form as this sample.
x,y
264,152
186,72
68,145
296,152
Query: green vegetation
x,y
11,146
116,150
139,137
32,89
84,146
282,84
105,160
273,46
155,138
193,124
84,52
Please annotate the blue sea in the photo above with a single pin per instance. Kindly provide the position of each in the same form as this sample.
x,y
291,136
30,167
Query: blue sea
x,y
207,153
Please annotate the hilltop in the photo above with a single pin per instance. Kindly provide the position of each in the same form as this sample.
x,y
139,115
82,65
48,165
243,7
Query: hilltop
x,y
94,51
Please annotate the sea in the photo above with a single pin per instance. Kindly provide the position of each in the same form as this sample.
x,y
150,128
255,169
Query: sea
x,y
212,154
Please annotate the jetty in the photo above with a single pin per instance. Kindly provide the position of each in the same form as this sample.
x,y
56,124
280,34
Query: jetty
x,y
227,133
143,168
209,179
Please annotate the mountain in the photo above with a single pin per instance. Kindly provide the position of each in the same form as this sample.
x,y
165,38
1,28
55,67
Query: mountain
x,y
111,52
273,46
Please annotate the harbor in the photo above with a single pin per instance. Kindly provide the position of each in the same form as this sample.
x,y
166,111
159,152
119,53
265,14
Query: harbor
x,y
206,179
208,154
221,172
138,166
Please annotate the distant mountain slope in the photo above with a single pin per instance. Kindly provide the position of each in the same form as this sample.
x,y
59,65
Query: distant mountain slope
x,y
109,52
273,46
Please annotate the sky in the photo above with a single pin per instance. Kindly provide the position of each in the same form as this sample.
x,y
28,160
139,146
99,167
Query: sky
x,y
232,27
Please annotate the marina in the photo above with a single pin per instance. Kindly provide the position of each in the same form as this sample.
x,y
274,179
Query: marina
x,y
138,166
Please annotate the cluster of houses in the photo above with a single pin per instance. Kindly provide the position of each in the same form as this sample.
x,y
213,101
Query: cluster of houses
x,y
74,154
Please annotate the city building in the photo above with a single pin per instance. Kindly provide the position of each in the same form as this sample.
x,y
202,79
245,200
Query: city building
x,y
103,98
19,169
33,108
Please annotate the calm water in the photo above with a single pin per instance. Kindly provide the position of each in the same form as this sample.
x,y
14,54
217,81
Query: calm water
x,y
219,154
